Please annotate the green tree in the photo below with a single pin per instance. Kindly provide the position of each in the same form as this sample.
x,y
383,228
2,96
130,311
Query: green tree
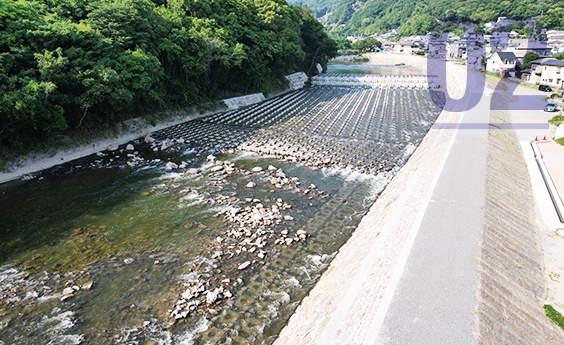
x,y
367,44
527,60
342,43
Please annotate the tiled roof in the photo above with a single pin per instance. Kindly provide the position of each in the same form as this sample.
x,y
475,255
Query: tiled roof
x,y
507,55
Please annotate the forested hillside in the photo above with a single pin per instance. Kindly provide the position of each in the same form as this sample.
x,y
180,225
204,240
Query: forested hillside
x,y
367,17
80,64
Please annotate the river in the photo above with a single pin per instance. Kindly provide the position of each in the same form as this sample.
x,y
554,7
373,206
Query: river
x,y
219,247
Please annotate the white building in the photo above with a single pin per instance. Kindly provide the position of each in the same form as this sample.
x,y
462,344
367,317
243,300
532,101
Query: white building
x,y
533,75
555,40
552,73
502,64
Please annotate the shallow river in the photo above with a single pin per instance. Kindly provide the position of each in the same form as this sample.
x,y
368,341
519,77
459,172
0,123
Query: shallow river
x,y
103,252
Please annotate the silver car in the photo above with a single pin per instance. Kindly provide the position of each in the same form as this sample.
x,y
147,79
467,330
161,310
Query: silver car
x,y
550,107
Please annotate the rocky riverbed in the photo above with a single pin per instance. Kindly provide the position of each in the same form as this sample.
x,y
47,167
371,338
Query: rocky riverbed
x,y
164,241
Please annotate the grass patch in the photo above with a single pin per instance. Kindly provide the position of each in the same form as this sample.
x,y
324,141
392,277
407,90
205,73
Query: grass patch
x,y
560,141
556,120
554,315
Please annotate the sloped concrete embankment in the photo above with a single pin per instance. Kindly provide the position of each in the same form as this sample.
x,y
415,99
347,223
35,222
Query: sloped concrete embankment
x,y
511,287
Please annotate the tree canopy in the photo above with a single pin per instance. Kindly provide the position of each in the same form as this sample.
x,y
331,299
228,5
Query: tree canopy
x,y
367,17
366,45
527,60
80,64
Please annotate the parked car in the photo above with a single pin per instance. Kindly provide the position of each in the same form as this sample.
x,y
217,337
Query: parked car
x,y
550,107
545,88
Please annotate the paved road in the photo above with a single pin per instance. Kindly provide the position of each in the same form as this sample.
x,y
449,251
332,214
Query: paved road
x,y
434,299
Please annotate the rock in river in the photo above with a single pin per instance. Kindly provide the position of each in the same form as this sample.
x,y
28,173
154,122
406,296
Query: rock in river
x,y
170,166
244,265
211,297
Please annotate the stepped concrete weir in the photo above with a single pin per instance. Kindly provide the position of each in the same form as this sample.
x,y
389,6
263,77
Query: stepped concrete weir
x,y
362,127
421,82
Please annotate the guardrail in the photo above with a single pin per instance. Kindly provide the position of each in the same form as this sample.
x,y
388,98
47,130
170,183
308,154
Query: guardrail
x,y
556,200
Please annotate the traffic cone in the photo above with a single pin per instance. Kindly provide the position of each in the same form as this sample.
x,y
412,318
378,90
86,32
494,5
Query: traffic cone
x,y
537,138
544,138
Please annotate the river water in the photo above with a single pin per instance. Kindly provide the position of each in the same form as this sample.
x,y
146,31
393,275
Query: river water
x,y
104,251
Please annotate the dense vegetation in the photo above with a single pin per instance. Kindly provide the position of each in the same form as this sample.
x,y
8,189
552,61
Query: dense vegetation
x,y
366,45
367,17
68,65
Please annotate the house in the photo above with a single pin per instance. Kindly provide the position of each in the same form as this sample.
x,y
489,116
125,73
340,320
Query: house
x,y
478,36
437,47
532,76
461,48
552,73
401,48
521,47
502,64
503,21
387,47
497,41
555,41
489,26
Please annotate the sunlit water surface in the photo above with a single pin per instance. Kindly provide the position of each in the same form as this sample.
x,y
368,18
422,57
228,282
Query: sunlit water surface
x,y
140,234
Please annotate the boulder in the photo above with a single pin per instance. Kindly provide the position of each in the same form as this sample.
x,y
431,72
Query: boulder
x,y
68,291
129,147
170,166
244,265
251,185
112,147
211,297
256,169
216,168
